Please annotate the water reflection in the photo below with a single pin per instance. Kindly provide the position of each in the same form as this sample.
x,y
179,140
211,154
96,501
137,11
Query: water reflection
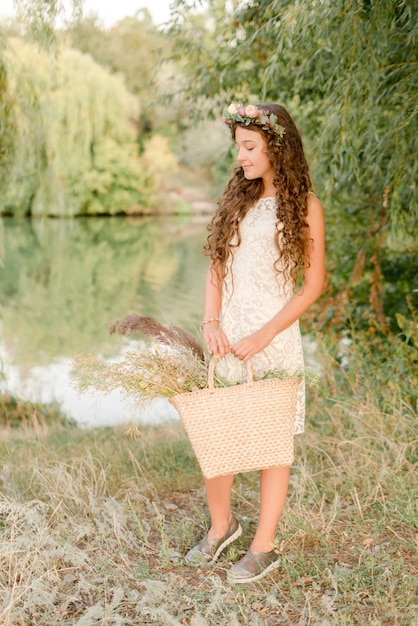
x,y
64,281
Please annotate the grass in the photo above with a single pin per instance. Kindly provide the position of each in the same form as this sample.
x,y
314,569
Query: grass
x,y
94,523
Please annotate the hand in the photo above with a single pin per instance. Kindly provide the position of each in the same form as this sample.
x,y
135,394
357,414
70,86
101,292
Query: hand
x,y
217,343
248,346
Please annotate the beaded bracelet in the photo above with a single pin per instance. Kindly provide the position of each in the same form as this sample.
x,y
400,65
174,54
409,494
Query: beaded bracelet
x,y
208,320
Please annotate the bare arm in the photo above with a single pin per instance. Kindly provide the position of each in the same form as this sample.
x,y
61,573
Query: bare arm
x,y
310,291
215,339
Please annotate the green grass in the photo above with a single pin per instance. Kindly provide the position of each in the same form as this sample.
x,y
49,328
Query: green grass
x,y
94,523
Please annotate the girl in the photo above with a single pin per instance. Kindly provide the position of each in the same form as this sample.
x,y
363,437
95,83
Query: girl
x,y
266,248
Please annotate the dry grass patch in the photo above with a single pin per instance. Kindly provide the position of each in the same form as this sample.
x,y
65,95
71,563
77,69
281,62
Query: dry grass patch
x,y
94,525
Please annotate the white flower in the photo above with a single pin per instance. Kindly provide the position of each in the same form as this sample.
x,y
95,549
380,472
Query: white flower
x,y
232,109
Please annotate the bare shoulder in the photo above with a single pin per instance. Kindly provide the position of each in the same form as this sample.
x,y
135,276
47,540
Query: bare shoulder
x,y
313,202
315,211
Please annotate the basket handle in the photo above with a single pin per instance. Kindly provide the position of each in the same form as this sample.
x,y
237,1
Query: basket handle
x,y
211,372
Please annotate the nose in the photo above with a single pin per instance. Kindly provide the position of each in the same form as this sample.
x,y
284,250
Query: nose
x,y
240,156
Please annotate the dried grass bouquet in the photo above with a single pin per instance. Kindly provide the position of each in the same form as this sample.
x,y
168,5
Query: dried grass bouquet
x,y
171,362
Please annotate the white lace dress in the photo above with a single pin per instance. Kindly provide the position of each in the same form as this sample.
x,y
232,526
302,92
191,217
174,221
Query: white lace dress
x,y
253,293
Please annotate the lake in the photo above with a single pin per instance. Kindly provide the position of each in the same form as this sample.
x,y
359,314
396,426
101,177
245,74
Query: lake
x,y
62,283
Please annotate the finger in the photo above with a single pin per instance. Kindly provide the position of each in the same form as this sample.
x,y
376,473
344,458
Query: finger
x,y
211,342
214,347
223,350
209,346
238,350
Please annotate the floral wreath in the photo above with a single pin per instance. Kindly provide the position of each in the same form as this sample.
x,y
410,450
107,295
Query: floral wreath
x,y
237,113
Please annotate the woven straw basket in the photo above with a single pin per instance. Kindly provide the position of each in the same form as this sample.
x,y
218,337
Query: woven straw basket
x,y
240,428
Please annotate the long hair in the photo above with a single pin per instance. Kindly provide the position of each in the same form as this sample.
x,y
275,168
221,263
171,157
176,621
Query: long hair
x,y
292,183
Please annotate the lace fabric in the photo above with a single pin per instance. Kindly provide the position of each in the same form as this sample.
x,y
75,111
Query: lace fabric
x,y
253,292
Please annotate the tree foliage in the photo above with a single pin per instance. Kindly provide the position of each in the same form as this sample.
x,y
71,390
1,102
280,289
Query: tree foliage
x,y
40,16
134,48
70,133
130,48
75,149
351,64
348,73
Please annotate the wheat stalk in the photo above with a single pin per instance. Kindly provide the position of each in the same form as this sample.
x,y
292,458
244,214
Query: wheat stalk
x,y
149,328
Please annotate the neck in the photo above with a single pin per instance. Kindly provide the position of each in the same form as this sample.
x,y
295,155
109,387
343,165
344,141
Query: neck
x,y
268,188
268,191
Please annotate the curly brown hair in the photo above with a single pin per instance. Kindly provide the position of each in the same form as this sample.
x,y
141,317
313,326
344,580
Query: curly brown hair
x,y
292,183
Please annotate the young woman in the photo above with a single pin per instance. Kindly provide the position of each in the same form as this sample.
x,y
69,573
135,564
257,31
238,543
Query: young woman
x,y
266,248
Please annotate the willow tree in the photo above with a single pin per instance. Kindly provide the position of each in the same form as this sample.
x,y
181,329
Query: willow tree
x,y
132,48
75,149
348,72
40,16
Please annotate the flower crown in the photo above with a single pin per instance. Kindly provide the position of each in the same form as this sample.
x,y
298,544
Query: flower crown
x,y
237,113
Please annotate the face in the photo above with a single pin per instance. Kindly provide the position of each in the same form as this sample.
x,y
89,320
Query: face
x,y
252,155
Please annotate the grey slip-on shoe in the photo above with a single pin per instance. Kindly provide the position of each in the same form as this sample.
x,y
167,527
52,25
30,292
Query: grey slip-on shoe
x,y
207,550
253,566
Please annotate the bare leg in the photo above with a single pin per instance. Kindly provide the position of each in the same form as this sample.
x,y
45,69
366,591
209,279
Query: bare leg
x,y
218,495
274,484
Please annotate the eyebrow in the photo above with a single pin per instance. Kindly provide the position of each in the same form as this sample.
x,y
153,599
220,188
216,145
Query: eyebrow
x,y
247,141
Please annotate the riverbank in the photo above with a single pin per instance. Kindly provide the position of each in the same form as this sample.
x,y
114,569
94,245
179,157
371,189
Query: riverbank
x,y
95,523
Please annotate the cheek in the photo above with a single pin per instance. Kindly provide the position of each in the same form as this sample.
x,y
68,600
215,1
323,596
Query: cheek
x,y
266,161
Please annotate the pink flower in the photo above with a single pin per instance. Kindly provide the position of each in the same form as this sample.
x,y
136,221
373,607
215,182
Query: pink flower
x,y
251,111
241,111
